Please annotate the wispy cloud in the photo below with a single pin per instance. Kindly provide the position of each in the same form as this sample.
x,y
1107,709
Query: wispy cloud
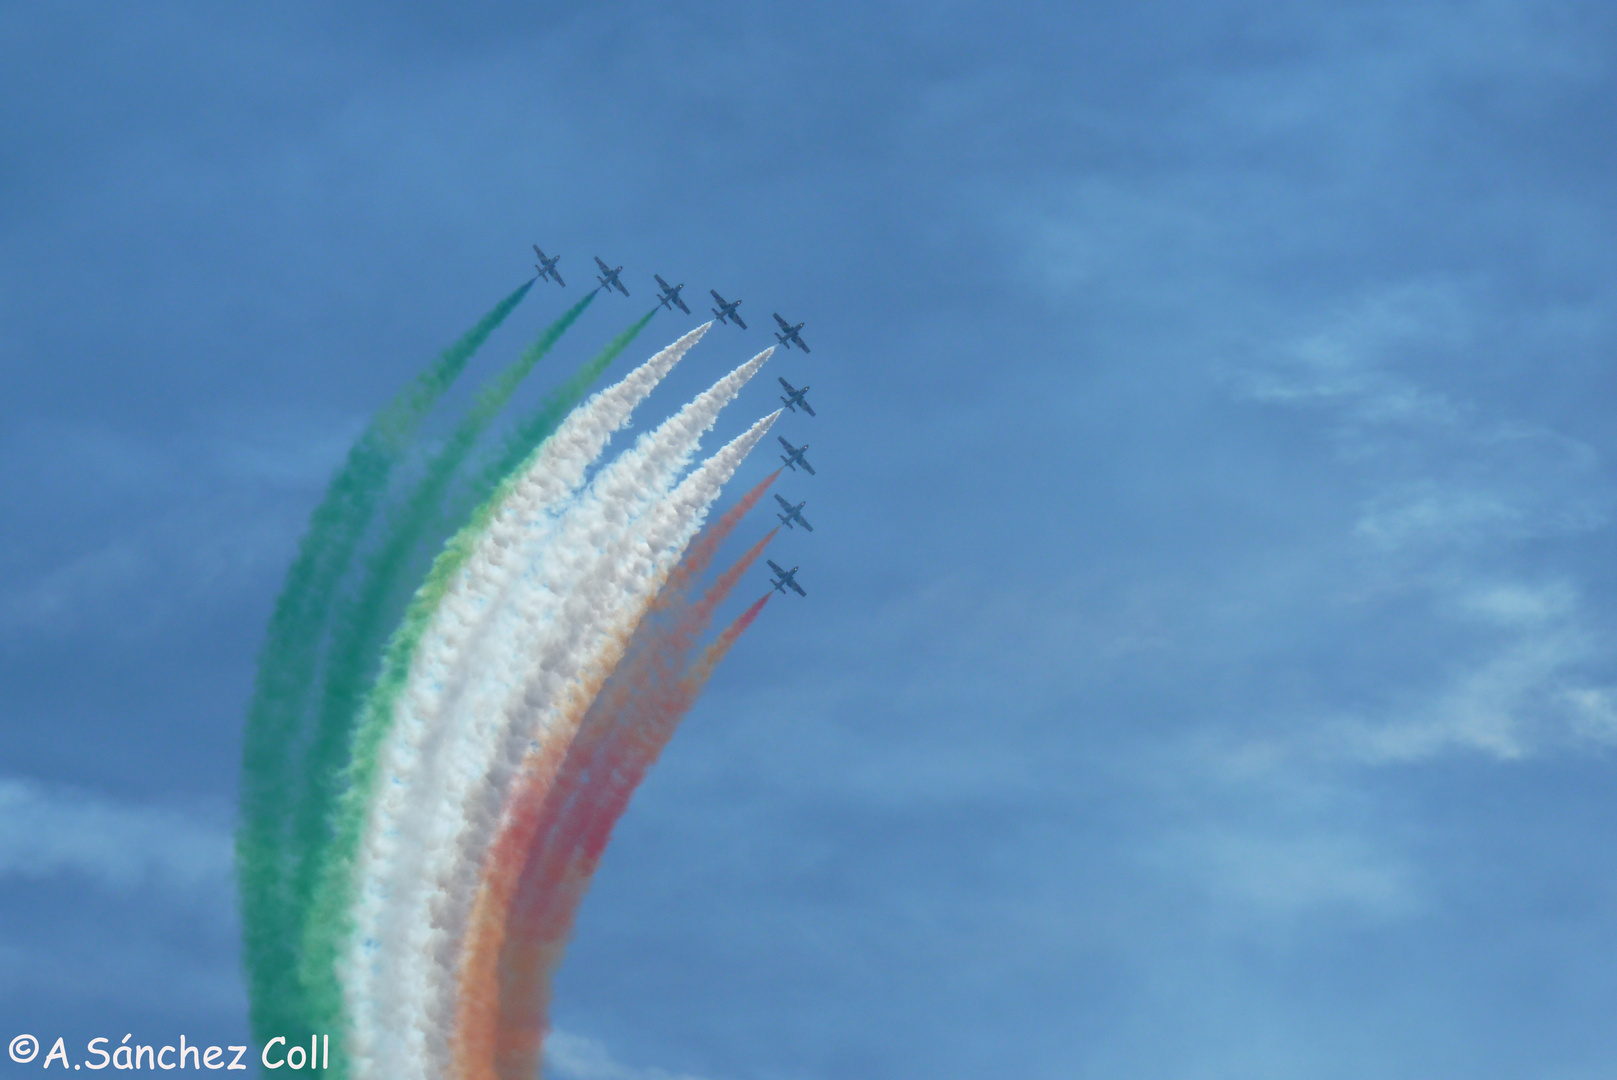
x,y
159,527
1504,704
1270,875
576,1057
1440,470
146,902
1448,493
50,831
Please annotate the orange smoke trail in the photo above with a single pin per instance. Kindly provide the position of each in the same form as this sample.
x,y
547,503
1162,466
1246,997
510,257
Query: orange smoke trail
x,y
622,736
478,1003
660,644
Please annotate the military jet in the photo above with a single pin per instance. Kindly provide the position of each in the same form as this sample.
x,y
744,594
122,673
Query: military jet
x,y
785,579
671,294
727,310
610,281
793,513
794,456
547,267
795,397
789,338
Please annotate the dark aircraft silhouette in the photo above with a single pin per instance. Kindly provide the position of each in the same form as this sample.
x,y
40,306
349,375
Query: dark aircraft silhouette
x,y
789,337
727,310
547,267
671,294
785,578
610,281
795,397
794,456
793,513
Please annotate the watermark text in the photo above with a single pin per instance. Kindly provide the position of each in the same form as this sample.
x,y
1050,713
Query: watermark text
x,y
101,1053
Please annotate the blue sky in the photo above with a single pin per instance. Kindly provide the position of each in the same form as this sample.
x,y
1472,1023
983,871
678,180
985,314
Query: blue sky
x,y
1208,668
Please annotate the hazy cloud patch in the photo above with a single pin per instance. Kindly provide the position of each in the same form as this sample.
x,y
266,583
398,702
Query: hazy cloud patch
x,y
47,831
576,1057
1293,875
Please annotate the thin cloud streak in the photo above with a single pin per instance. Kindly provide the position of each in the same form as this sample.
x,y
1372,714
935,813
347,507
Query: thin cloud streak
x,y
50,831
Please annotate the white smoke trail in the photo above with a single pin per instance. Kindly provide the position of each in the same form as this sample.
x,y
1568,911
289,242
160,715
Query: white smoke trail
x,y
555,474
545,713
552,475
590,555
451,750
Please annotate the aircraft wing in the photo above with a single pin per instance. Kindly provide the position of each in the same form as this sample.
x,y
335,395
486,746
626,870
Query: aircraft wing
x,y
773,567
605,269
557,275
784,505
802,346
807,407
736,315
783,324
717,297
804,462
798,588
539,253
803,521
661,284
789,388
790,449
681,304
621,289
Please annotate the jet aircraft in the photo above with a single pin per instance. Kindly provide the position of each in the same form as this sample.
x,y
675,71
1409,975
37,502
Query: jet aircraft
x,y
789,337
795,397
610,280
793,513
727,310
547,267
794,456
785,579
671,294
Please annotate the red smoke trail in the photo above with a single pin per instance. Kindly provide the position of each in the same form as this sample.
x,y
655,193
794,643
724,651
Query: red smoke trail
x,y
557,782
559,868
702,670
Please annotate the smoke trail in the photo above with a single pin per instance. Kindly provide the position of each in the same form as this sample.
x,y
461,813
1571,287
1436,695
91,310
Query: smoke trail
x,y
601,608
711,657
440,612
287,663
661,643
611,549
627,729
706,545
472,568
363,620
533,430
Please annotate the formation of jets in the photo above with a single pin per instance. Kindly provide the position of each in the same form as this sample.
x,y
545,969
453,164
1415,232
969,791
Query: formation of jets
x,y
788,335
794,398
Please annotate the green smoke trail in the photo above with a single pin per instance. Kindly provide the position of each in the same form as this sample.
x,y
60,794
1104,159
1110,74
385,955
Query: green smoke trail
x,y
360,626
289,658
350,769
